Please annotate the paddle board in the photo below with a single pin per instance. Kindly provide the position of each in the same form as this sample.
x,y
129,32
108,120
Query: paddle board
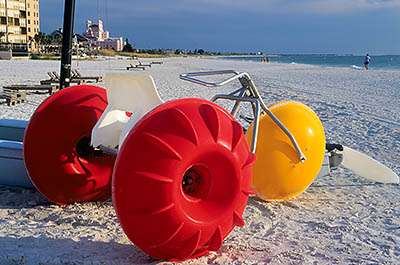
x,y
12,167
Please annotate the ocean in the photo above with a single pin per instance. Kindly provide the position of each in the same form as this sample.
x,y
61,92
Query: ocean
x,y
380,62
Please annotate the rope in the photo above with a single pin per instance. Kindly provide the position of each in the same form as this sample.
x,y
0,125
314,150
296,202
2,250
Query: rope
x,y
108,28
98,18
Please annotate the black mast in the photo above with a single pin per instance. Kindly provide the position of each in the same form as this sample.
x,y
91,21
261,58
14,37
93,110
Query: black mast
x,y
68,29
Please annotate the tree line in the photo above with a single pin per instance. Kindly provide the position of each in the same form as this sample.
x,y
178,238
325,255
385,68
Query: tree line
x,y
41,39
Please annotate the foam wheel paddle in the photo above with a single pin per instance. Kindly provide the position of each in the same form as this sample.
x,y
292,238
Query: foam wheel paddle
x,y
279,174
182,179
57,152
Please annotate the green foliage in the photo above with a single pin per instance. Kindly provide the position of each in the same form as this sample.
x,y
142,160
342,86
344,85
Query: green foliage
x,y
127,47
47,39
39,37
35,56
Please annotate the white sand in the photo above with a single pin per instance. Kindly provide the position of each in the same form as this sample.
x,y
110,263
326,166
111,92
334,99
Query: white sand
x,y
340,219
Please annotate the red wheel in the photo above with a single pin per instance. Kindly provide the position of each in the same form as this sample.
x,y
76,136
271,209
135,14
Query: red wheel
x,y
57,152
182,179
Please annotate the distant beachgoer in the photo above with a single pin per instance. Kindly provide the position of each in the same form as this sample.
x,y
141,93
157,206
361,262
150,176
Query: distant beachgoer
x,y
367,60
267,59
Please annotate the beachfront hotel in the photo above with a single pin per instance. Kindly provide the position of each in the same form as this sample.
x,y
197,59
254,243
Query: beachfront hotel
x,y
19,22
100,38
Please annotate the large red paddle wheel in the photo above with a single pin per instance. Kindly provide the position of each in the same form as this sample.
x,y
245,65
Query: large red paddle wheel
x,y
182,179
57,152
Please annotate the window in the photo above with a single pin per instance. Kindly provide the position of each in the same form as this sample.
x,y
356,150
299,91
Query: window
x,y
29,21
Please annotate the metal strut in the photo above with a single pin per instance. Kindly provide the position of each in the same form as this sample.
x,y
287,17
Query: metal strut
x,y
248,93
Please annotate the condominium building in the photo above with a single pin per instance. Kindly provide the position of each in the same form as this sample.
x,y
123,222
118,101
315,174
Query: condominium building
x,y
19,21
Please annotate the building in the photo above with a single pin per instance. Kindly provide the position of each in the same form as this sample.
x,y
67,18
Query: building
x,y
100,38
19,23
78,41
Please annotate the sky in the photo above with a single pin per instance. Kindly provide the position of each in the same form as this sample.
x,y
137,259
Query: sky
x,y
268,26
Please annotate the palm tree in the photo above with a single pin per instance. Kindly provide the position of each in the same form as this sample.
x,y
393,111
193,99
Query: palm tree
x,y
47,41
39,39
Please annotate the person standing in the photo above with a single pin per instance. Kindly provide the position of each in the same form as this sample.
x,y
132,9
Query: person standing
x,y
367,60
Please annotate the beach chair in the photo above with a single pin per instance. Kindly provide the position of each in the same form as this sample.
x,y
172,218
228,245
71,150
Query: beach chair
x,y
55,79
54,76
135,67
140,64
77,76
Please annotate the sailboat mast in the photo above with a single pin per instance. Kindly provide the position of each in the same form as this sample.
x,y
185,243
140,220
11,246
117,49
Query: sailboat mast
x,y
68,29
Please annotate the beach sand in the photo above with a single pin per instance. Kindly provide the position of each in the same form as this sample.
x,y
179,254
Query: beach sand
x,y
339,219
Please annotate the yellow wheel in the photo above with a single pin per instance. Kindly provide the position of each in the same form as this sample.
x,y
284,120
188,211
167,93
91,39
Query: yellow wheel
x,y
278,173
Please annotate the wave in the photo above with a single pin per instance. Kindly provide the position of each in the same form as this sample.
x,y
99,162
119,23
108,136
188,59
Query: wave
x,y
356,67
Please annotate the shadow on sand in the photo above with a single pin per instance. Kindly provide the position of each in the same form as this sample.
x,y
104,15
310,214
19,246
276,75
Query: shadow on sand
x,y
44,250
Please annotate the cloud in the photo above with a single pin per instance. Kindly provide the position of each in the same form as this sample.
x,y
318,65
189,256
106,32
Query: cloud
x,y
340,6
256,6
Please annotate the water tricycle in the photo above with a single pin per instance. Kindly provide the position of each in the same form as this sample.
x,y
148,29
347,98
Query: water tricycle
x,y
179,172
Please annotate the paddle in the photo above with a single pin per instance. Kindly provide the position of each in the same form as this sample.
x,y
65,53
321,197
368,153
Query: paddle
x,y
365,166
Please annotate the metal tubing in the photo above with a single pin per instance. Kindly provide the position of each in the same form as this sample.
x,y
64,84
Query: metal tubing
x,y
256,109
248,84
68,28
276,120
108,150
236,107
188,77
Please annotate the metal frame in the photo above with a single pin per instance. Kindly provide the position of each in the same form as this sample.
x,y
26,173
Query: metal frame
x,y
247,93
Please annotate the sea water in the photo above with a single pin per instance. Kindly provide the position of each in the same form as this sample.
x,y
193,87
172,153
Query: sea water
x,y
381,62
